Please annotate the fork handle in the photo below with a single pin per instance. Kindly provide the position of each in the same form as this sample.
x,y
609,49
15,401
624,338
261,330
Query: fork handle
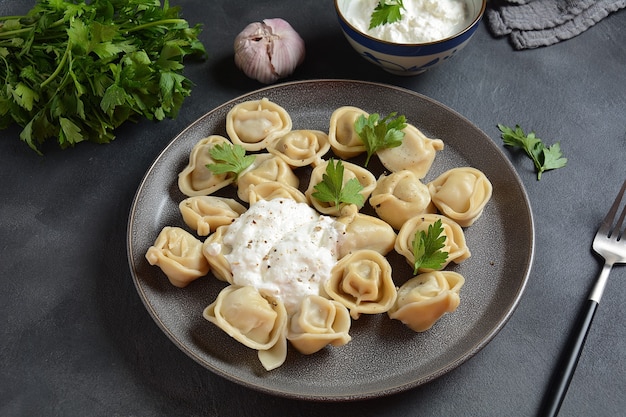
x,y
569,359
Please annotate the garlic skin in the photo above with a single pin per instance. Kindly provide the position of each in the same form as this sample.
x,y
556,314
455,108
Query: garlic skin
x,y
268,50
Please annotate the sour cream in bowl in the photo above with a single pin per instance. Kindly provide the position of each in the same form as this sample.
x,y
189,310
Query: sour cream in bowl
x,y
428,33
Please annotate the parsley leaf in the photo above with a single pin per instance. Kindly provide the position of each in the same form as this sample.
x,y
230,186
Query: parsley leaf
x,y
545,158
75,70
427,247
229,159
386,11
332,189
377,133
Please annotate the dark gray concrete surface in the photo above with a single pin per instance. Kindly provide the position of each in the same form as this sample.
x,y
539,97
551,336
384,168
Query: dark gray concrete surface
x,y
76,340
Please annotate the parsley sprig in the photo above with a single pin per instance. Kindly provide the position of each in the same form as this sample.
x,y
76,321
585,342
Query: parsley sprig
x,y
332,189
386,11
229,159
377,133
427,247
76,70
544,157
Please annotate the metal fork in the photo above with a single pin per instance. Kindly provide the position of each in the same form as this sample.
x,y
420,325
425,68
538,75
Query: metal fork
x,y
609,244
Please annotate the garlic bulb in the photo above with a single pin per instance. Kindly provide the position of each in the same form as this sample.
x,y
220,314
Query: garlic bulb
x,y
268,50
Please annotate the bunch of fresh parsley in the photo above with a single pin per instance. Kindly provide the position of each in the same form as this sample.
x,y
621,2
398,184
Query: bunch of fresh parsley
x,y
544,157
76,70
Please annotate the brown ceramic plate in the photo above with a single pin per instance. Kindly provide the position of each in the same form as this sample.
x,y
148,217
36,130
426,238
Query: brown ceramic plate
x,y
384,356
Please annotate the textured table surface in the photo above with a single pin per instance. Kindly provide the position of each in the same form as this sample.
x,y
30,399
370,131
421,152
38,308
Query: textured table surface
x,y
76,340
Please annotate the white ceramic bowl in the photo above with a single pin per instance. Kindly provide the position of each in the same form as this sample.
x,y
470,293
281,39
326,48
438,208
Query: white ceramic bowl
x,y
410,58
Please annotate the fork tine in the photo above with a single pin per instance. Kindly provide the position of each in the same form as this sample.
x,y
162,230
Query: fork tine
x,y
605,226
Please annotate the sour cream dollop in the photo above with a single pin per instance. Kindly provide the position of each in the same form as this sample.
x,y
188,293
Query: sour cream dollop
x,y
422,20
283,248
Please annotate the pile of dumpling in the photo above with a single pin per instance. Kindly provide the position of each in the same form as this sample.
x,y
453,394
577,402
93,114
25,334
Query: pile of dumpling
x,y
361,280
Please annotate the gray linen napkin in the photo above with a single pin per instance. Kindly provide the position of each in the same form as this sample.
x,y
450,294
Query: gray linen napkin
x,y
535,23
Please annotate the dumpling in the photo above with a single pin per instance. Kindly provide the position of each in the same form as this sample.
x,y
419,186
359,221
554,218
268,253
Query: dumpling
x,y
196,179
179,255
424,299
417,153
365,232
265,168
253,123
350,170
400,196
461,194
455,244
204,214
319,322
344,141
257,321
300,147
362,282
274,189
214,250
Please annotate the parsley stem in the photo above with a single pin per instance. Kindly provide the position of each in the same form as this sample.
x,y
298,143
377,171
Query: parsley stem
x,y
8,70
155,23
12,33
534,159
29,28
58,69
